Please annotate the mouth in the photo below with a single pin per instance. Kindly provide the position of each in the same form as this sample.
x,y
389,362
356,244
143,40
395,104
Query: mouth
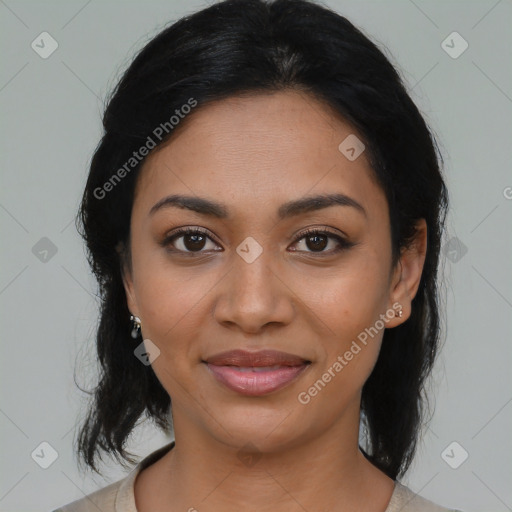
x,y
256,373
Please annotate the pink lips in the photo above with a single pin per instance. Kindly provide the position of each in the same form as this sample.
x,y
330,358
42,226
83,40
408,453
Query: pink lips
x,y
255,373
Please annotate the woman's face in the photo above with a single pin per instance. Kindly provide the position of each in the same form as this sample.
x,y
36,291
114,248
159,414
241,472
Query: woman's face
x,y
254,280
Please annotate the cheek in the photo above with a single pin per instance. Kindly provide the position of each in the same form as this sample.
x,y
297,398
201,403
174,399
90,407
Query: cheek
x,y
171,311
165,292
350,299
349,350
349,305
168,302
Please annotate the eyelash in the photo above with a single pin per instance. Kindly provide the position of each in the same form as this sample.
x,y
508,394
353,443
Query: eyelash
x,y
343,243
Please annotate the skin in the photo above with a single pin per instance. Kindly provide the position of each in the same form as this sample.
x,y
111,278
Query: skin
x,y
254,153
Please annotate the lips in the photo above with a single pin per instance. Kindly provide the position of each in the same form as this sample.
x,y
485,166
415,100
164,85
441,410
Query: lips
x,y
255,373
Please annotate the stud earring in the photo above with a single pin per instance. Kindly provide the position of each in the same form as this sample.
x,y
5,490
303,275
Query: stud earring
x,y
399,313
136,326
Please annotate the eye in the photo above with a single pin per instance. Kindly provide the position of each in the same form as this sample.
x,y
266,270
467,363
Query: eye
x,y
189,240
319,239
195,240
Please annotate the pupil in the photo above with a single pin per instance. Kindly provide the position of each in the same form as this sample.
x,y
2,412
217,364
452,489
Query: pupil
x,y
316,245
197,242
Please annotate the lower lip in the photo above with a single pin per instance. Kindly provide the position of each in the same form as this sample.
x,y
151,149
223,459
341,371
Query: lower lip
x,y
252,383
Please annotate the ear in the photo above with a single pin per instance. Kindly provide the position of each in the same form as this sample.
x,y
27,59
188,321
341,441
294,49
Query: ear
x,y
407,274
126,274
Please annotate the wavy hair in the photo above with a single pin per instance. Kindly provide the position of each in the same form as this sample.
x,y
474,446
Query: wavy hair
x,y
248,47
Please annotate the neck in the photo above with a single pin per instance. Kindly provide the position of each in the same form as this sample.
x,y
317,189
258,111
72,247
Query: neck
x,y
325,472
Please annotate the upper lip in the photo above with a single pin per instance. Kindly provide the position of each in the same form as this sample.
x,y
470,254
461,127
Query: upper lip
x,y
261,358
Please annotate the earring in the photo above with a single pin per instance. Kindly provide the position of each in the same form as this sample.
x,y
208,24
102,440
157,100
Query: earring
x,y
136,326
399,313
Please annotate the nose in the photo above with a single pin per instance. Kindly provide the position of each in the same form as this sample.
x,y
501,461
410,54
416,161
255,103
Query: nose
x,y
253,295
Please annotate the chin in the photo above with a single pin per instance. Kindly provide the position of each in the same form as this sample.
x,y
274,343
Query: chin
x,y
269,427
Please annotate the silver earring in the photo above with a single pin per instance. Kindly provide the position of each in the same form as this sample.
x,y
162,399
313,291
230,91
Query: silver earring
x,y
136,326
399,313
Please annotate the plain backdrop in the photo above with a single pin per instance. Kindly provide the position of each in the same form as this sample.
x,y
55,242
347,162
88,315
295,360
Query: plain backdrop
x,y
50,111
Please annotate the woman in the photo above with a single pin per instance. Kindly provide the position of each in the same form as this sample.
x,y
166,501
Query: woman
x,y
263,215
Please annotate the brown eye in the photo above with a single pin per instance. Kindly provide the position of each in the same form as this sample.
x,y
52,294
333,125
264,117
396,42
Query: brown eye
x,y
189,241
316,241
194,242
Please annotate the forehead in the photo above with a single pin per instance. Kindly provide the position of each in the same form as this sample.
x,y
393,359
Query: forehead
x,y
259,149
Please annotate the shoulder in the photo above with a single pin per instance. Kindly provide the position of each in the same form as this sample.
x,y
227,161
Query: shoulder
x,y
118,496
405,500
103,499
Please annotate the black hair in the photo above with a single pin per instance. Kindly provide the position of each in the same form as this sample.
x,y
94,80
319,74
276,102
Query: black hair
x,y
247,47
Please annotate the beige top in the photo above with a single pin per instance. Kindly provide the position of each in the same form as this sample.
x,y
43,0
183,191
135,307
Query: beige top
x,y
120,496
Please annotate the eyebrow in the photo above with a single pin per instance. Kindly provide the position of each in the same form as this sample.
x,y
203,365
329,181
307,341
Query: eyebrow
x,y
290,209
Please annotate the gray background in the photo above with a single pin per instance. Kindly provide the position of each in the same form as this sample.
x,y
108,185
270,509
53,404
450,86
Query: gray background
x,y
50,125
